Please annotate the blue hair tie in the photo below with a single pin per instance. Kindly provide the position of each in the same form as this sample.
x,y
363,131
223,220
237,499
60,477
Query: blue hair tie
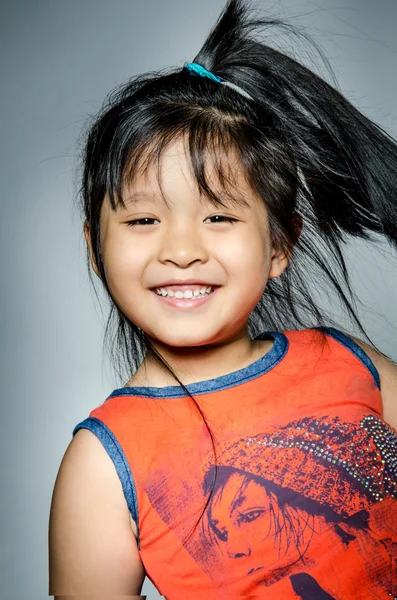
x,y
197,69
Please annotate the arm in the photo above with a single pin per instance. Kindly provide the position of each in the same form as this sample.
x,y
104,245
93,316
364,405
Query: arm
x,y
388,382
92,548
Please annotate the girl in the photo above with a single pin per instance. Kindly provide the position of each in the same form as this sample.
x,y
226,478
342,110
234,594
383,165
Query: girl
x,y
210,194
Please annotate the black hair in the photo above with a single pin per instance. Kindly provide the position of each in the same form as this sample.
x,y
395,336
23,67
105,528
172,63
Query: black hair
x,y
313,158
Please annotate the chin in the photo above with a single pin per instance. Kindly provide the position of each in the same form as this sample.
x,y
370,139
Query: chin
x,y
184,341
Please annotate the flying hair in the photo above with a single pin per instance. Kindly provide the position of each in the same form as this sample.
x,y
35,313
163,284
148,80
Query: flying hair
x,y
323,170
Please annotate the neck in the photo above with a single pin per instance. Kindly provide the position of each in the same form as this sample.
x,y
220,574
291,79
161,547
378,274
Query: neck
x,y
198,363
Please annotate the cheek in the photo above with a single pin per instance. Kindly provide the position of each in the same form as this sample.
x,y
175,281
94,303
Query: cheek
x,y
123,263
249,261
258,528
249,250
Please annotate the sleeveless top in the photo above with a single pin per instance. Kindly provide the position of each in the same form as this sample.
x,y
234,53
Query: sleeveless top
x,y
301,501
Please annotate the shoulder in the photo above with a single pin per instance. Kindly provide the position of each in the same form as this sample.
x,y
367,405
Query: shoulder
x,y
388,381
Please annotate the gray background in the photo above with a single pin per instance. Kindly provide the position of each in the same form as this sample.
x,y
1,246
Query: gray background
x,y
58,61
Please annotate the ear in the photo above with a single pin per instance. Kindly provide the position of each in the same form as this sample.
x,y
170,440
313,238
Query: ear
x,y
279,263
87,235
280,259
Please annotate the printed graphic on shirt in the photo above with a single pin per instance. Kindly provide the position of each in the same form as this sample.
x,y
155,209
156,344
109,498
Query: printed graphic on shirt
x,y
308,511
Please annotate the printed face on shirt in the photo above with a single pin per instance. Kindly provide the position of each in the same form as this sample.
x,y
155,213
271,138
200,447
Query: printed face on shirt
x,y
281,522
187,240
253,527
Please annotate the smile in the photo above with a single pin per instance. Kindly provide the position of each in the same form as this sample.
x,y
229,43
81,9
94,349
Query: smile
x,y
188,299
194,292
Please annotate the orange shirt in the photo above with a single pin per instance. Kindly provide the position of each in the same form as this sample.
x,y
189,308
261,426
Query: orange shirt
x,y
302,502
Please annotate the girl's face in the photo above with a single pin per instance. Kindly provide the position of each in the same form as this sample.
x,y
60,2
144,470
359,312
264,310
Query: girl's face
x,y
187,241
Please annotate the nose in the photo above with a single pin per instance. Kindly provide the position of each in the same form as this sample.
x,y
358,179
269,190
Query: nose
x,y
182,245
237,545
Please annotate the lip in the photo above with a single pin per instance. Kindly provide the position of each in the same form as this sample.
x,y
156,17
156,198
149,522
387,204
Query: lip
x,y
186,303
183,282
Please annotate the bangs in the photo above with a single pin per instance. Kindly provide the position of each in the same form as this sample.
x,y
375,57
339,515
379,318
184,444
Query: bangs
x,y
206,145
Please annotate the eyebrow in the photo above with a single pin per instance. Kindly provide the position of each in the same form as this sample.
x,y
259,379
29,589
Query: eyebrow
x,y
239,501
136,197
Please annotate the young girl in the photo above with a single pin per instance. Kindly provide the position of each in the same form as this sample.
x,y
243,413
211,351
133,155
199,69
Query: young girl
x,y
252,451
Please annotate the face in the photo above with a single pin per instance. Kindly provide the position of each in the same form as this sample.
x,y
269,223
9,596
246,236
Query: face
x,y
241,521
251,528
149,243
266,545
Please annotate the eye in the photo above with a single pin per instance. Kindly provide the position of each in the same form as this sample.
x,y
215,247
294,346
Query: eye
x,y
142,221
220,533
250,516
223,219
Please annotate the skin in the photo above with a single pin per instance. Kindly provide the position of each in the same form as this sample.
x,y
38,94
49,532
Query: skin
x,y
184,242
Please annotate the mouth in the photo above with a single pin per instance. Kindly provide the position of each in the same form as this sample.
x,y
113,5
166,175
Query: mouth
x,y
185,291
188,298
254,570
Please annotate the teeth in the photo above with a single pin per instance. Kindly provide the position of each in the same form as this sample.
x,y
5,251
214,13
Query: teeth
x,y
187,294
204,291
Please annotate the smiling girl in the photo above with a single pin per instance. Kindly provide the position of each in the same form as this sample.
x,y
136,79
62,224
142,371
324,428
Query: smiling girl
x,y
252,449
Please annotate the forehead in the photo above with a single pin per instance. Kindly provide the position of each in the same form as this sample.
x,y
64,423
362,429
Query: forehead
x,y
239,488
177,159
214,173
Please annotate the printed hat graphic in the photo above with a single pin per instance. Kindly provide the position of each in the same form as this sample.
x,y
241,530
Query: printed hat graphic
x,y
343,465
